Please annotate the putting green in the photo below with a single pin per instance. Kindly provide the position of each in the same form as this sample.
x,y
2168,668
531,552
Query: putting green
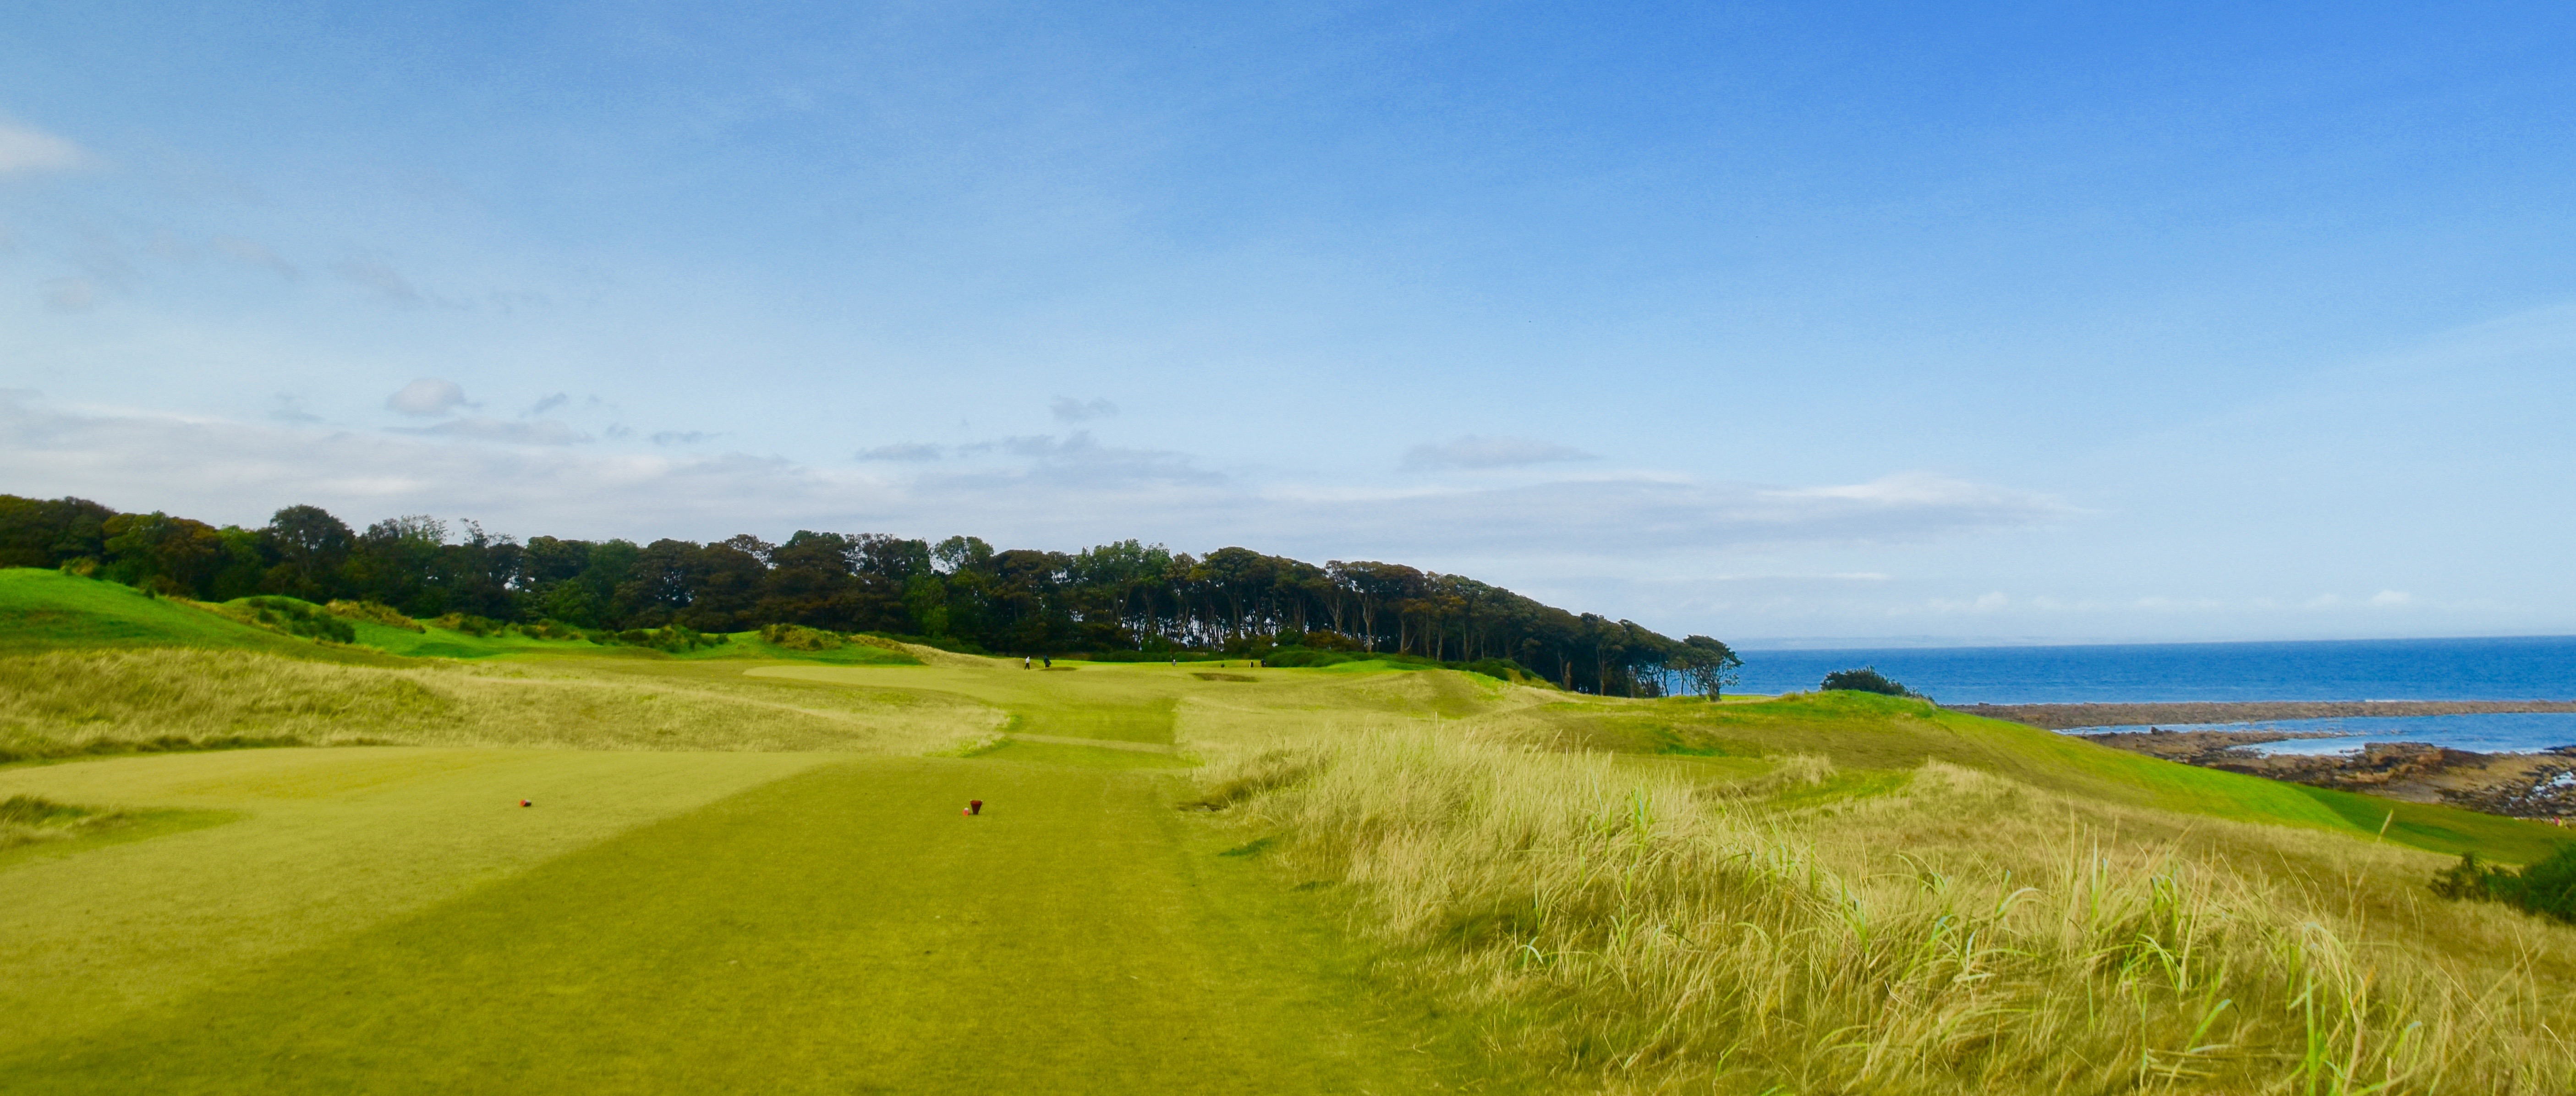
x,y
842,928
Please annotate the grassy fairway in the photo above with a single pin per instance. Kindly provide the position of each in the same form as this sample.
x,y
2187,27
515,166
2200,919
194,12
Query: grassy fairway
x,y
843,929
326,843
1805,893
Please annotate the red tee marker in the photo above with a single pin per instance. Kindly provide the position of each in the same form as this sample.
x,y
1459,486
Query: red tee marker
x,y
974,806
525,803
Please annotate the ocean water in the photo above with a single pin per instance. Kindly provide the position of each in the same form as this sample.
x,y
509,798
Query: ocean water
x,y
2521,668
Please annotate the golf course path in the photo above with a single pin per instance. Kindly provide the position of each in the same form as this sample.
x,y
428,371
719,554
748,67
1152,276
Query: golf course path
x,y
843,929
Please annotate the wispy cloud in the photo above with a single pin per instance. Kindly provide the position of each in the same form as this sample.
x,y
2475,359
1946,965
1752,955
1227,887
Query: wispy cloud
x,y
426,397
1471,451
27,149
71,294
289,409
550,403
378,276
1068,409
680,437
253,253
512,431
1629,515
902,451
1049,490
1077,460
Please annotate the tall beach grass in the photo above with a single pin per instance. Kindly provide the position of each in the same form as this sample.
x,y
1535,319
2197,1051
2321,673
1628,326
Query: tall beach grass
x,y
1642,931
72,702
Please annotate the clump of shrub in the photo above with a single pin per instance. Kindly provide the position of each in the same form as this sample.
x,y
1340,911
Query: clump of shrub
x,y
291,616
674,638
1867,679
470,624
2547,888
548,629
374,613
797,637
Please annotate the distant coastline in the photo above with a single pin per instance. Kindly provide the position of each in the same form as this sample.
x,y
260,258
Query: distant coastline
x,y
2061,717
2508,669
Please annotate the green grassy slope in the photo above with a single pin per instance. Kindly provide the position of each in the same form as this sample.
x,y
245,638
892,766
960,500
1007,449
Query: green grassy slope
x,y
839,930
44,610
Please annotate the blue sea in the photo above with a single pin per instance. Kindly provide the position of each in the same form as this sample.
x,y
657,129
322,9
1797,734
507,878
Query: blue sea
x,y
2520,668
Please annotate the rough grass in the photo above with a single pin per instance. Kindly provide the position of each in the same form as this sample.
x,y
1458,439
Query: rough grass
x,y
29,819
1964,933
72,702
1866,731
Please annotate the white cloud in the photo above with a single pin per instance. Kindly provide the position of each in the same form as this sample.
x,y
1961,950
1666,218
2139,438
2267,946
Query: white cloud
x,y
680,437
26,149
427,396
1471,451
1068,409
2391,597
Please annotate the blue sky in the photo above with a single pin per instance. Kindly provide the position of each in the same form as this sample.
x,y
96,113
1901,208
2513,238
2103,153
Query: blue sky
x,y
1771,322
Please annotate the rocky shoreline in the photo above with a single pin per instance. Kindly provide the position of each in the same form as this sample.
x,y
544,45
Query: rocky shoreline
x,y
2541,785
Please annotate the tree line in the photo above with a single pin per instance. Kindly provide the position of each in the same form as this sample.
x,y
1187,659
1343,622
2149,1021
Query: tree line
x,y
960,592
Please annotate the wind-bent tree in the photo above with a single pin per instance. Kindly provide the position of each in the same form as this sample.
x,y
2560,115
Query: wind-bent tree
x,y
1706,665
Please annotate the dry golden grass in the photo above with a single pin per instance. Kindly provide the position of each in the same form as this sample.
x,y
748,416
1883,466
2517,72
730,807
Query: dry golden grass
x,y
72,701
1644,931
